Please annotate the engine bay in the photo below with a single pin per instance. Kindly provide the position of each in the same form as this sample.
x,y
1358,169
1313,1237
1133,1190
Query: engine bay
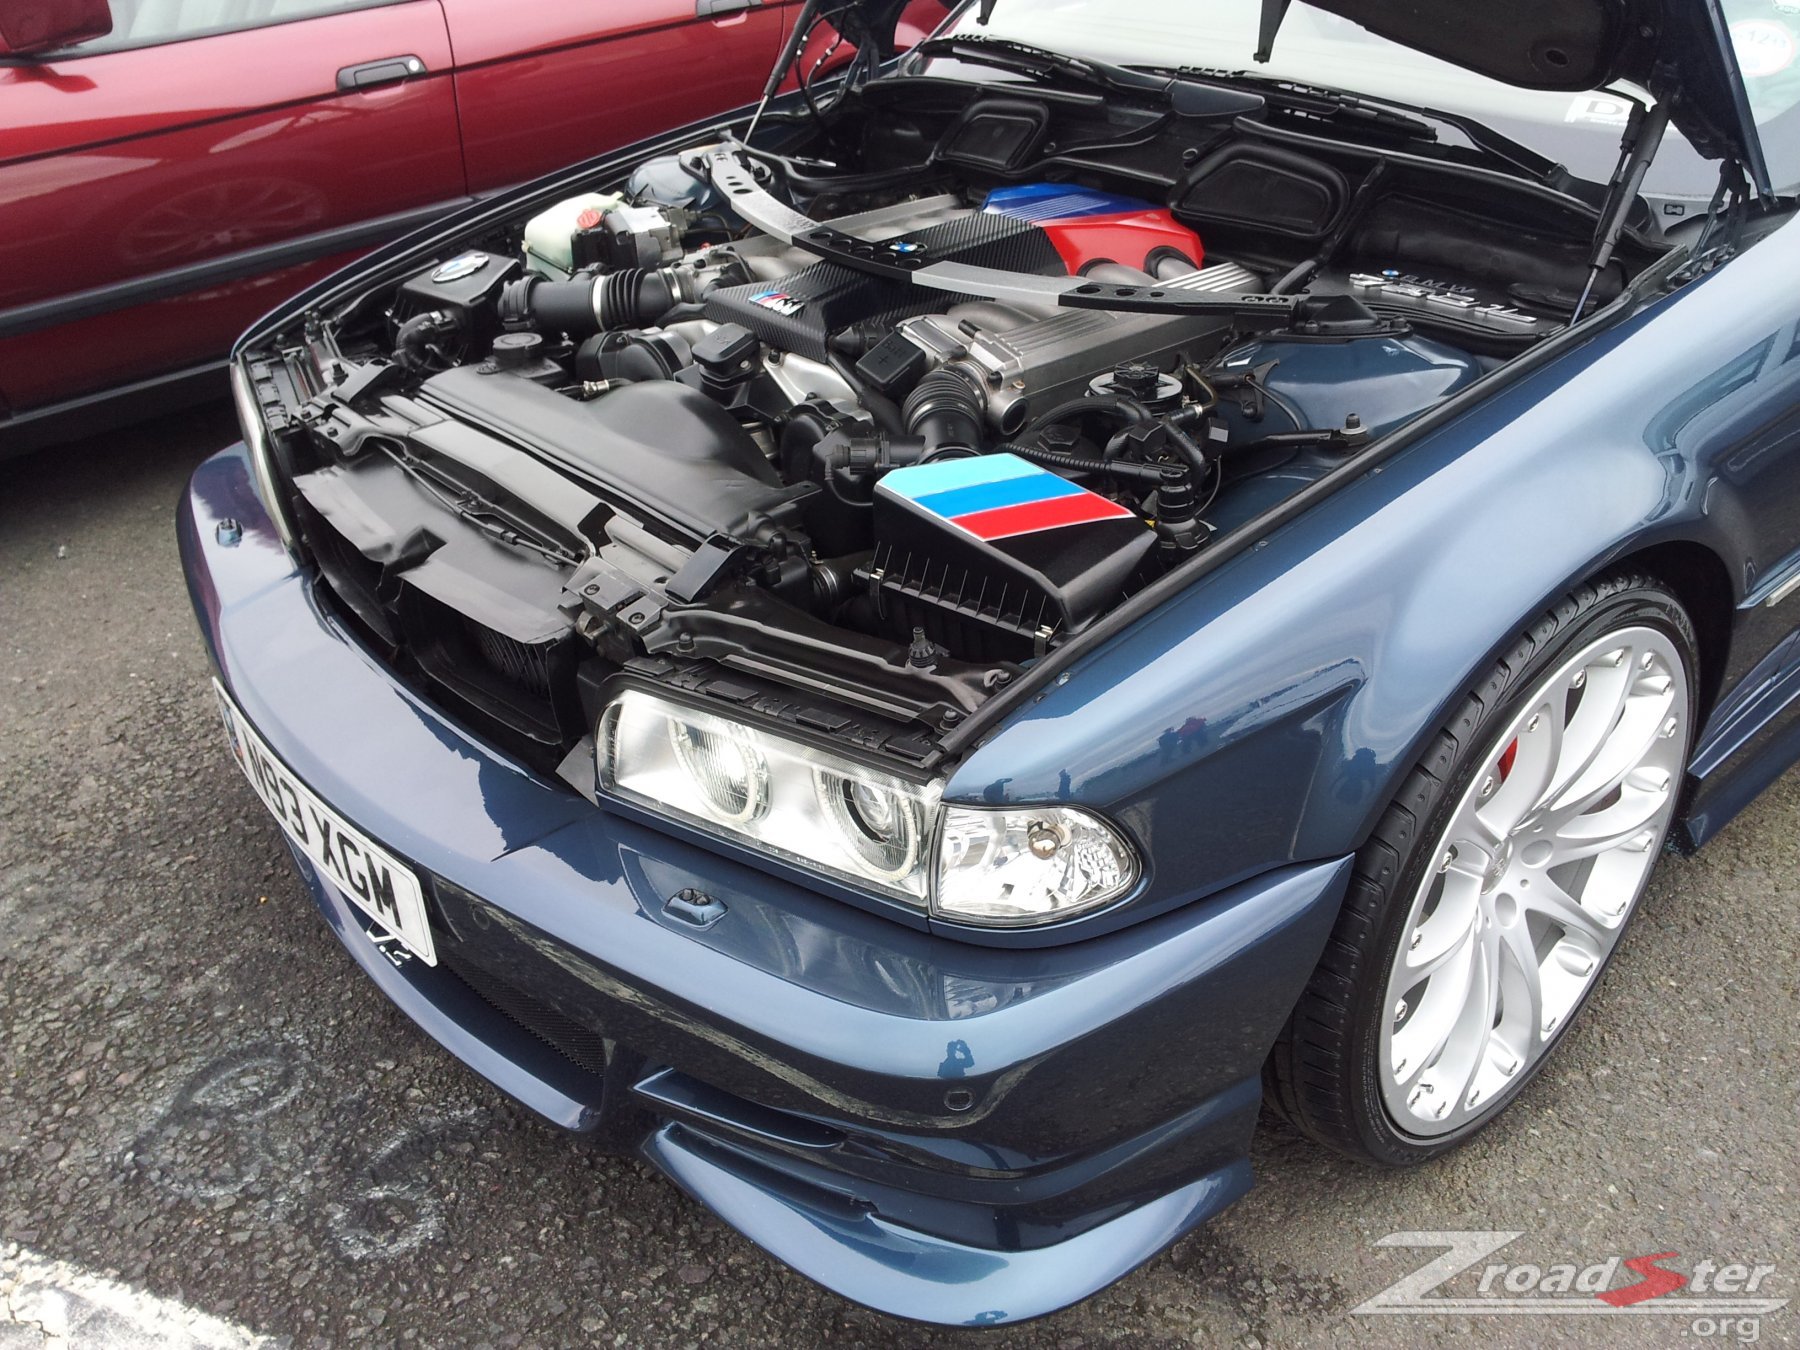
x,y
865,439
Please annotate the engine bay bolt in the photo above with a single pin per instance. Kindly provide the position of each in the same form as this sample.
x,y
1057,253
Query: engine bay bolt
x,y
1043,841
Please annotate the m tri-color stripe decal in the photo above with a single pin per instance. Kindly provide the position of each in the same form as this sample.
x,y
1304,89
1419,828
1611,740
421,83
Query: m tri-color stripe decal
x,y
999,496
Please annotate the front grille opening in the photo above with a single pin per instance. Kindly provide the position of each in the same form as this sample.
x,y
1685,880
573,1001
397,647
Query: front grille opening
x,y
354,579
528,688
575,1042
525,666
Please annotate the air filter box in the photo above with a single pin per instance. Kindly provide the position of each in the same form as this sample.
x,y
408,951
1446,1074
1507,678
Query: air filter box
x,y
1001,541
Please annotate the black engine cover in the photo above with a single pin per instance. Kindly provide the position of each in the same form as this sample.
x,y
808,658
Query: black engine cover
x,y
799,313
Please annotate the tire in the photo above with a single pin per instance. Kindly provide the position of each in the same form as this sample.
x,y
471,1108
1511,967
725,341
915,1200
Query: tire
x,y
1354,1067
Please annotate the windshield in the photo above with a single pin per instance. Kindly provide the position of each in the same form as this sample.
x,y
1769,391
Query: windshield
x,y
1579,130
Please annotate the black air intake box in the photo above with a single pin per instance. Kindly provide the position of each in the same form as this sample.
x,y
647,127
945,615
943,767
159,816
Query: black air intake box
x,y
1000,542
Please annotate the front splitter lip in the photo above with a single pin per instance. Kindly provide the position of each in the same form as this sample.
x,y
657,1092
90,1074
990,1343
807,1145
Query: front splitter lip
x,y
905,1273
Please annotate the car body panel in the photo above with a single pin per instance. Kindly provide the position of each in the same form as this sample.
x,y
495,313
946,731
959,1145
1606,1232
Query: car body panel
x,y
535,81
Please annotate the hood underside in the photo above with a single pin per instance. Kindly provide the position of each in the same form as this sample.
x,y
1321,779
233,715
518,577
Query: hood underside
x,y
1676,49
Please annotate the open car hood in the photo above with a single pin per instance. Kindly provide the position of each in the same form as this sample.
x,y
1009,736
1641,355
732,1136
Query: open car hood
x,y
1674,48
1678,49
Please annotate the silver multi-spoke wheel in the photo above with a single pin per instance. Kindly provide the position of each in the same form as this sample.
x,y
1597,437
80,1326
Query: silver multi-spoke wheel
x,y
1533,880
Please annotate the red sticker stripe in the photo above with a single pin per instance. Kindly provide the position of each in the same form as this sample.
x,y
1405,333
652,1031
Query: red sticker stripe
x,y
1004,521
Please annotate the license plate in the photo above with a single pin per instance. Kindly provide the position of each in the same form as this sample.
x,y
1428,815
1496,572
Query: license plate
x,y
368,875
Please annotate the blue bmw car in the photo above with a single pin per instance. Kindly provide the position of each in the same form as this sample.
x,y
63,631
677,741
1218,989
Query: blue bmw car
x,y
917,654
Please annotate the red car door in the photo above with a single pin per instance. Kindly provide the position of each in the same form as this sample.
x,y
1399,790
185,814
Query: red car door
x,y
163,187
540,86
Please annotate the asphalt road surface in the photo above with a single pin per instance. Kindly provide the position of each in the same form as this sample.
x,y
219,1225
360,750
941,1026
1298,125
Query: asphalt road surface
x,y
202,1100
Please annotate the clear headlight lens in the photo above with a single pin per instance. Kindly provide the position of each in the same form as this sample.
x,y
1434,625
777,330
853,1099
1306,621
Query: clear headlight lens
x,y
256,440
783,797
1028,865
1000,868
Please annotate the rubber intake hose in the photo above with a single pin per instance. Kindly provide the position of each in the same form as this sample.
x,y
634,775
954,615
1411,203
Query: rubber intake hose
x,y
583,306
945,410
415,335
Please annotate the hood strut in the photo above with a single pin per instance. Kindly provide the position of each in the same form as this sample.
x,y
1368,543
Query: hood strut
x,y
790,52
1637,147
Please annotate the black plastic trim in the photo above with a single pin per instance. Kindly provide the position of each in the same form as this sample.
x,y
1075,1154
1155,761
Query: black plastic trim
x,y
91,414
250,262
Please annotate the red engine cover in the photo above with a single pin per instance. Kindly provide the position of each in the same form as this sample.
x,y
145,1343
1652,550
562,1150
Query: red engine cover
x,y
1089,227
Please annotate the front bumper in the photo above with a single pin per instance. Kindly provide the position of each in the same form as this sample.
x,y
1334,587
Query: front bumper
x,y
950,1133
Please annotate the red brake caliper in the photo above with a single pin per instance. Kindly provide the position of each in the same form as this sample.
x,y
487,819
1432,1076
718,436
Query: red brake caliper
x,y
1506,759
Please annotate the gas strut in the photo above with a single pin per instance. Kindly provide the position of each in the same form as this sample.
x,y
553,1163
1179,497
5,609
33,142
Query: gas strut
x,y
790,52
1637,147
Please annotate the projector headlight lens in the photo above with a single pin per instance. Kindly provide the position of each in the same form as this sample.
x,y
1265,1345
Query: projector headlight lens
x,y
726,768
884,829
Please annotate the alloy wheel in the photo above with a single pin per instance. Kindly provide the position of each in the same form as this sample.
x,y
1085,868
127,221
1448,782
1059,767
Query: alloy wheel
x,y
1535,875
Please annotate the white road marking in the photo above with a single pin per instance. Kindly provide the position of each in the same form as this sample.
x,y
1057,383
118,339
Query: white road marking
x,y
58,1306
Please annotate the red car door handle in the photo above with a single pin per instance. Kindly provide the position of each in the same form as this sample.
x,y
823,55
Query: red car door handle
x,y
718,9
388,70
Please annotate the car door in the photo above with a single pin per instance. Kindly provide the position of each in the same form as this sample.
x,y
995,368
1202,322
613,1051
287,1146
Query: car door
x,y
540,86
162,187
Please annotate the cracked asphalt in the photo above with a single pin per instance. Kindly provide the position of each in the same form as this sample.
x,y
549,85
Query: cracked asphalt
x,y
200,1097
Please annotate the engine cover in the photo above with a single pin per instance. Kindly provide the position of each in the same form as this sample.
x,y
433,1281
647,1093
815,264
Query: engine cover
x,y
799,313
998,539
1088,227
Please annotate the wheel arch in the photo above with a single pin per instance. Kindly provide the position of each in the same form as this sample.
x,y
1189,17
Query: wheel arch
x,y
1699,578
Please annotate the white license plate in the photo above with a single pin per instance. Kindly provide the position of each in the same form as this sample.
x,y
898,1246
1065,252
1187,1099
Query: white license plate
x,y
369,876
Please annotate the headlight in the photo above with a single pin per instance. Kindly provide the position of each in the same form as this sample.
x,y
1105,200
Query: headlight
x,y
256,440
1002,868
789,799
1028,865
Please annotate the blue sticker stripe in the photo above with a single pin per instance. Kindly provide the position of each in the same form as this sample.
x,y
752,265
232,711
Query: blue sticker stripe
x,y
922,479
1037,487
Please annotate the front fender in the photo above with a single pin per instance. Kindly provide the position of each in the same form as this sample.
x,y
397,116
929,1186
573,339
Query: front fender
x,y
1267,714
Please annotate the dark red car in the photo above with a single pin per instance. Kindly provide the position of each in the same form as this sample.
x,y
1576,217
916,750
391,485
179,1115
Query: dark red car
x,y
169,170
